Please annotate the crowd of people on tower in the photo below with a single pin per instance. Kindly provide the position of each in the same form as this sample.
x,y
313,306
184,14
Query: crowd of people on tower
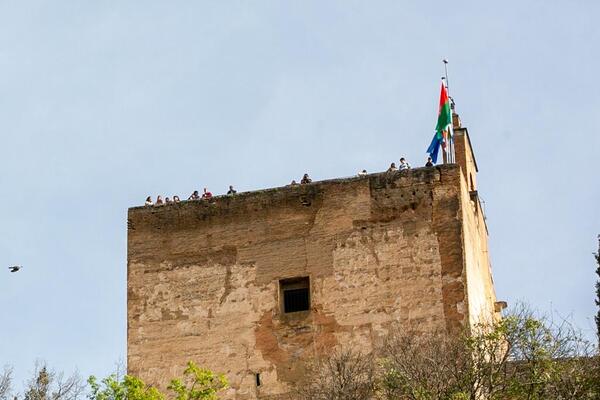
x,y
207,196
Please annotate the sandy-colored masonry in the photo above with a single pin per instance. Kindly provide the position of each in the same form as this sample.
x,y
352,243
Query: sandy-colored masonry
x,y
405,249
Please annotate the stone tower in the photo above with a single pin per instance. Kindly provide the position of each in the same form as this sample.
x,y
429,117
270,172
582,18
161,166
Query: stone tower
x,y
253,284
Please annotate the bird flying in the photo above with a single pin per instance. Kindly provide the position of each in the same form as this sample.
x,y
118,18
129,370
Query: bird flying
x,y
15,268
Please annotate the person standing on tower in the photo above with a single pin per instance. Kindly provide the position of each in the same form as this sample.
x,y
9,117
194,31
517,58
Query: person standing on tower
x,y
403,164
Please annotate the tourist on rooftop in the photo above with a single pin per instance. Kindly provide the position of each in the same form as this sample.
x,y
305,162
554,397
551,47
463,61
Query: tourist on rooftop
x,y
403,164
231,190
392,168
305,179
176,199
429,162
206,195
294,183
168,200
149,201
194,196
159,201
363,173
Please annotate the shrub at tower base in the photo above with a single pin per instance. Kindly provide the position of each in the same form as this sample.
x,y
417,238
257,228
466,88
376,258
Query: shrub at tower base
x,y
519,357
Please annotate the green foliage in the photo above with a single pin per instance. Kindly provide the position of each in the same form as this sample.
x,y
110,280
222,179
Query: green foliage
x,y
198,384
129,388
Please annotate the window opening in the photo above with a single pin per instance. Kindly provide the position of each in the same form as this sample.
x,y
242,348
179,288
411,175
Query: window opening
x,y
296,294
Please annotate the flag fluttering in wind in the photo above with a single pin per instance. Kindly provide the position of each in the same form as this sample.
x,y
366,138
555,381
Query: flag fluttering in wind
x,y
442,131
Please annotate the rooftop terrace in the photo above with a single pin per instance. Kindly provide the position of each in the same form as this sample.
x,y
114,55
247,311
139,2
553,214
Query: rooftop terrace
x,y
379,179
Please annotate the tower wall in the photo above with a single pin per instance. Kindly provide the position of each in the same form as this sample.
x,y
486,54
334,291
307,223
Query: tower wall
x,y
387,251
480,285
465,157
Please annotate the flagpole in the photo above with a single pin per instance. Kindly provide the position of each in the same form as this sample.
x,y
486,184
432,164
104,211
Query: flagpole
x,y
446,152
445,61
451,156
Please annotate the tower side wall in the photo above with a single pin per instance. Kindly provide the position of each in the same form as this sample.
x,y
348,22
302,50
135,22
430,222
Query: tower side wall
x,y
465,157
382,252
480,285
478,275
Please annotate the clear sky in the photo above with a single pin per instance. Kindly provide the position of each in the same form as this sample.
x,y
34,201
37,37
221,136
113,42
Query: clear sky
x,y
105,102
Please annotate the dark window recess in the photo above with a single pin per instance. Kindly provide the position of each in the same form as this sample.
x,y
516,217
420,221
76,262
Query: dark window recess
x,y
296,294
257,379
295,300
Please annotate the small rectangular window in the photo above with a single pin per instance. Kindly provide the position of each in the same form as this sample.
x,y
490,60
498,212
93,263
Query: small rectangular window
x,y
296,294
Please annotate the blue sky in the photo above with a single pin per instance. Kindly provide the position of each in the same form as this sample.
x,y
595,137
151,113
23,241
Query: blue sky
x,y
103,103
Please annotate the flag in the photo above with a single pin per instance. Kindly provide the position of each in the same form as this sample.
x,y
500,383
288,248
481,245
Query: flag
x,y
442,131
434,148
444,115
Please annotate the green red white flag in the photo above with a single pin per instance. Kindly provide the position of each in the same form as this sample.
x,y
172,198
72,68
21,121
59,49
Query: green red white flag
x,y
442,129
444,120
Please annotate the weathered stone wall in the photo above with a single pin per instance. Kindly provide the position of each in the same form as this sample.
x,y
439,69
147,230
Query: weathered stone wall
x,y
480,286
381,251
